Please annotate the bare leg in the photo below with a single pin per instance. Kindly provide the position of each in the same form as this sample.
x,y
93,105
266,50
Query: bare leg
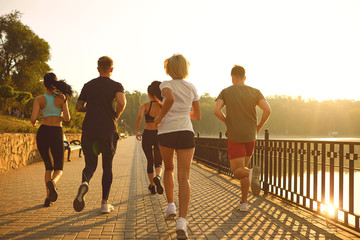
x,y
167,155
247,161
48,174
158,171
151,177
56,175
184,157
242,173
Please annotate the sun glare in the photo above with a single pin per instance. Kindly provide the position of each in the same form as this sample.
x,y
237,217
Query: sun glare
x,y
328,209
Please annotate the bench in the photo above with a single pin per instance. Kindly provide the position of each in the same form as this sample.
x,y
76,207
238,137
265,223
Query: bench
x,y
72,146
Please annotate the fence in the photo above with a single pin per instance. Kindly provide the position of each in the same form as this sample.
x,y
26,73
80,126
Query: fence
x,y
317,175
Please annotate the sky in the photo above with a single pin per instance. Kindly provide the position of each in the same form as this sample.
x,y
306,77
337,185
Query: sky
x,y
308,48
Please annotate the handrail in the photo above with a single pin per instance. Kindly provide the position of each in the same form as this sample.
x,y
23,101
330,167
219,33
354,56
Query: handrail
x,y
317,175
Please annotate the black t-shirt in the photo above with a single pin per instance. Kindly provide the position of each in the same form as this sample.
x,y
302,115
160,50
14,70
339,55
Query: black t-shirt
x,y
99,95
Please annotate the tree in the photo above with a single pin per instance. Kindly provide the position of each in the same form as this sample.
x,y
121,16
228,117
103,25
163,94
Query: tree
x,y
22,98
7,92
128,117
23,54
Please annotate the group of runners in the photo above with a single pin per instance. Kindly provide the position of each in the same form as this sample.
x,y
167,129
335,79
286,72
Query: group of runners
x,y
168,130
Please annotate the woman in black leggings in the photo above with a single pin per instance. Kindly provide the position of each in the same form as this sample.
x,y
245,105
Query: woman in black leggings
x,y
149,139
49,138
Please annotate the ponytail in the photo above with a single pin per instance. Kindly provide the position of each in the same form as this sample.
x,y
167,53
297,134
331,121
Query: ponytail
x,y
64,88
61,87
154,88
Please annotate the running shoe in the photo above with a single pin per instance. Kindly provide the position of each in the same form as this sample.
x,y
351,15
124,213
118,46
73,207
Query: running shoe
x,y
53,195
243,207
79,202
106,208
181,229
170,212
157,181
152,189
255,181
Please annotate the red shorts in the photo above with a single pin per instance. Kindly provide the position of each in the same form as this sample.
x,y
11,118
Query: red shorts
x,y
238,150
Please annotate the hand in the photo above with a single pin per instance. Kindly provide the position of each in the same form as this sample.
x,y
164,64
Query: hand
x,y
138,136
36,123
157,121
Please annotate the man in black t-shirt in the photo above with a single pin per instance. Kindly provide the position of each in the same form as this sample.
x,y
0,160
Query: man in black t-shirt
x,y
99,129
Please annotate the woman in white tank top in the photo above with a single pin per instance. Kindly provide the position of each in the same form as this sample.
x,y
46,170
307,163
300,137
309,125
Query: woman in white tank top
x,y
176,134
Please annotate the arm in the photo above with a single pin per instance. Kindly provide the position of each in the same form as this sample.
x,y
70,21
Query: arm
x,y
66,114
169,101
219,104
265,107
80,106
35,112
138,121
195,114
120,103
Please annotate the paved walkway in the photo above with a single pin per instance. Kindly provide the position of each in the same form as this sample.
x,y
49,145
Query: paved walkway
x,y
139,215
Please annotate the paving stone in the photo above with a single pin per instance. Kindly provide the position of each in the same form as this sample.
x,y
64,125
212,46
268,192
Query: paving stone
x,y
138,214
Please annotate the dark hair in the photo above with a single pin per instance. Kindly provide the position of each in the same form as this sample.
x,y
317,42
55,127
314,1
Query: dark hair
x,y
238,71
105,63
154,90
52,83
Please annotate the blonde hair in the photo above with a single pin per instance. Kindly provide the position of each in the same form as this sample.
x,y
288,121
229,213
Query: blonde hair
x,y
177,66
105,63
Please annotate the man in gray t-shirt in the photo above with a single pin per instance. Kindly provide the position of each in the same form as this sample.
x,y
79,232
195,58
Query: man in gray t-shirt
x,y
242,126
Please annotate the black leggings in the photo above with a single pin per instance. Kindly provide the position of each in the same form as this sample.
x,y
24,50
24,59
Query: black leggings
x,y
51,139
151,149
92,146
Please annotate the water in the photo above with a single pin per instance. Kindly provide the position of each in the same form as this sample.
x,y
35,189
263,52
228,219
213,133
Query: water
x,y
329,207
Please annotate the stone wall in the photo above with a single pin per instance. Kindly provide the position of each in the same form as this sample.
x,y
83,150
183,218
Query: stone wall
x,y
19,149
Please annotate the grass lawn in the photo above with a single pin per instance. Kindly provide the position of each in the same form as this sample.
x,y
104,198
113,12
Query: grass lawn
x,y
11,124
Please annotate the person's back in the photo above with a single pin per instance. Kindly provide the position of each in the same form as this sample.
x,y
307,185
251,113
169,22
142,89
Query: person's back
x,y
242,126
49,138
99,95
178,117
241,102
99,129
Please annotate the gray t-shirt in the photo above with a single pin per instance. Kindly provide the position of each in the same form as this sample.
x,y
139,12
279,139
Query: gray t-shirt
x,y
240,102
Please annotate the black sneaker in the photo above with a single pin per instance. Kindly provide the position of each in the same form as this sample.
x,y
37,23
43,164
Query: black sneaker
x,y
53,195
79,202
157,181
152,189
47,202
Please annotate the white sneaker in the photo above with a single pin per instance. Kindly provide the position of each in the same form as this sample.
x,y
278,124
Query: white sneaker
x,y
170,211
106,208
243,207
181,229
255,181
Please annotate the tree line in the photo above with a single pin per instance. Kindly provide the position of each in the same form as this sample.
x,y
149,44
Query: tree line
x,y
291,117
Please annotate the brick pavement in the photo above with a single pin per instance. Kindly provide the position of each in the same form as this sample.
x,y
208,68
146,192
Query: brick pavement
x,y
139,215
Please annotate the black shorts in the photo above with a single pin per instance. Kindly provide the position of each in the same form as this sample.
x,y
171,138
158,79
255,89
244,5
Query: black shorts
x,y
177,140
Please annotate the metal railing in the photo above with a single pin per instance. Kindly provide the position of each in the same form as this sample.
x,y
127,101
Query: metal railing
x,y
317,175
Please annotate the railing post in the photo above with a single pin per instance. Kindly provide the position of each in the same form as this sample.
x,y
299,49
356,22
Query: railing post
x,y
198,135
219,153
266,159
